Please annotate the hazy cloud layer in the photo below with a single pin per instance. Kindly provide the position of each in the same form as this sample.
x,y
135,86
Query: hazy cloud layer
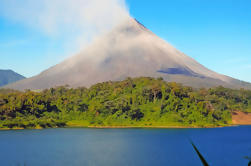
x,y
75,21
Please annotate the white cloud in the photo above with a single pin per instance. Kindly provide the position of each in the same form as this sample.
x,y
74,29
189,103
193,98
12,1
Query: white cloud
x,y
75,21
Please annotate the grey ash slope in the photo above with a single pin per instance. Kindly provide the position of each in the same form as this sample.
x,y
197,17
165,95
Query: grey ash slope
x,y
9,76
129,50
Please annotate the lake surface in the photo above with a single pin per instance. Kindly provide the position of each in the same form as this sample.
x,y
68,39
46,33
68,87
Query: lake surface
x,y
122,147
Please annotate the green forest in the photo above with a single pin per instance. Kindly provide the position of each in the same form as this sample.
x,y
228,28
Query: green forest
x,y
138,102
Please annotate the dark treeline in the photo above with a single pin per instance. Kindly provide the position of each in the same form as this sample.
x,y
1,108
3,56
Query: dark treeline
x,y
132,102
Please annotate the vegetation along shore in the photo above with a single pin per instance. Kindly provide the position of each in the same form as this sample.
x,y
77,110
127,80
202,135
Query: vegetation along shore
x,y
138,102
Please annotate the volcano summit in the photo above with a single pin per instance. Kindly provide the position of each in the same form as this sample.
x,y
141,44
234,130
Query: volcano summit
x,y
129,50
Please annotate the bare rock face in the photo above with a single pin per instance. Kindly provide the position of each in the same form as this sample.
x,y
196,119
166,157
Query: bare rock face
x,y
129,50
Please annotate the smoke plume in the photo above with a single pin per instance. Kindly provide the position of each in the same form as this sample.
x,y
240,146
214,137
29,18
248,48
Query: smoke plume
x,y
76,22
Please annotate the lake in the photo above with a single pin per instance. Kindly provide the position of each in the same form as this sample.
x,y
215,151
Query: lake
x,y
122,147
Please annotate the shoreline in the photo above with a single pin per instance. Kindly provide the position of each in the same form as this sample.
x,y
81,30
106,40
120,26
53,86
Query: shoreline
x,y
126,127
154,127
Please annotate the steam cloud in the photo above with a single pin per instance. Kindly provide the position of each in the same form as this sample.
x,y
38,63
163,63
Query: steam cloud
x,y
75,21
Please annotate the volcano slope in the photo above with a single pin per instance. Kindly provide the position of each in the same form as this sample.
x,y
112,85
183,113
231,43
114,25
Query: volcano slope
x,y
129,50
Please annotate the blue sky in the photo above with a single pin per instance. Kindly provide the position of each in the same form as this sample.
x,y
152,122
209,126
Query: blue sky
x,y
217,33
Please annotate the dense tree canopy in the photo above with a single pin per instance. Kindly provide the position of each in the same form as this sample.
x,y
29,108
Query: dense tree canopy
x,y
132,102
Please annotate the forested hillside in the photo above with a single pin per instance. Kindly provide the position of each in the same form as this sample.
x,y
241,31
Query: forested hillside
x,y
132,102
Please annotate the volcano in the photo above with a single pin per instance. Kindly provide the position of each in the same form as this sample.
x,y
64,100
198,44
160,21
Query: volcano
x,y
128,50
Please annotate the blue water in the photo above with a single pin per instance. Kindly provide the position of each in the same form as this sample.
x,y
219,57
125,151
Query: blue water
x,y
122,147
